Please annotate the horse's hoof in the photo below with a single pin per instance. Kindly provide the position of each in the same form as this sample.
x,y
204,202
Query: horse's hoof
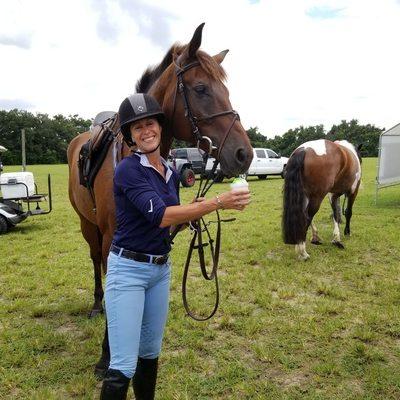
x,y
304,257
94,312
339,245
347,233
101,368
316,241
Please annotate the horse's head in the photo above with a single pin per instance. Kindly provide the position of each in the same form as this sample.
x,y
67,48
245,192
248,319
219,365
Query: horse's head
x,y
196,102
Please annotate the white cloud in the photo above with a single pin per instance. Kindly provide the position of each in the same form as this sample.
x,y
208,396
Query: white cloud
x,y
22,40
285,68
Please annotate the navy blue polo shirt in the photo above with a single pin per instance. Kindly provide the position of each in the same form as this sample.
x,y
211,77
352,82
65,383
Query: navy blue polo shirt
x,y
141,197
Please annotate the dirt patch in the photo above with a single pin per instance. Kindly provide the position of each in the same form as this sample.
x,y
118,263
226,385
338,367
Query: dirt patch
x,y
69,329
297,378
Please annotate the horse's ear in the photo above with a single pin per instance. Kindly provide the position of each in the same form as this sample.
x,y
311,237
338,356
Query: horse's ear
x,y
220,56
189,54
359,147
195,43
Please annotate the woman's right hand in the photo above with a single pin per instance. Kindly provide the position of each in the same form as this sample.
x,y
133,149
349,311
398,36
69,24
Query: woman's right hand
x,y
236,199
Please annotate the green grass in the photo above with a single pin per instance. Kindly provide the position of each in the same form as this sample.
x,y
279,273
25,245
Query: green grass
x,y
328,328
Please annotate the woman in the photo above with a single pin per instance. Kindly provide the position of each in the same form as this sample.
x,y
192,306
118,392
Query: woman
x,y
146,193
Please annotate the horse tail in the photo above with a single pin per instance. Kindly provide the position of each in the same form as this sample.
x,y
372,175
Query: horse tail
x,y
294,219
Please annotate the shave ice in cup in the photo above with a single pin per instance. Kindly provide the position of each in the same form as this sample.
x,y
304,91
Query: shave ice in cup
x,y
239,183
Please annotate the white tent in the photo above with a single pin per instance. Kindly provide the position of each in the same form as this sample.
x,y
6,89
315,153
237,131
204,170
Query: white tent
x,y
389,158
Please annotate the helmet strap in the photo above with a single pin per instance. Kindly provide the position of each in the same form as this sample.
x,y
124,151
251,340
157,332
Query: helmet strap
x,y
147,152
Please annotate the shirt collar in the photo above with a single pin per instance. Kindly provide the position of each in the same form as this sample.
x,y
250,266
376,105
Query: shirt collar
x,y
145,162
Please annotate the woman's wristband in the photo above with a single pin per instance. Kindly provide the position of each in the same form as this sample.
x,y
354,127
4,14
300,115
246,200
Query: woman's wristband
x,y
220,204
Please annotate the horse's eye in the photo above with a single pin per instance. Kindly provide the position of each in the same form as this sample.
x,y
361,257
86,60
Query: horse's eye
x,y
200,89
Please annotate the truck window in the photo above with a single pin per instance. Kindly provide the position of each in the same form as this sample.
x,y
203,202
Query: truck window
x,y
272,154
180,153
194,155
260,154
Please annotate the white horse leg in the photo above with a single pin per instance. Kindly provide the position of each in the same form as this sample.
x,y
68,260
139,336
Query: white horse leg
x,y
301,251
336,219
315,238
336,231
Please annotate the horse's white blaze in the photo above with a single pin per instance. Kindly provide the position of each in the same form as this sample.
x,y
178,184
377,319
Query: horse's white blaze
x,y
301,251
336,231
318,146
351,148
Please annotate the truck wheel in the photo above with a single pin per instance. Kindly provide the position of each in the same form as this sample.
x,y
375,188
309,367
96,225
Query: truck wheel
x,y
262,177
187,177
3,225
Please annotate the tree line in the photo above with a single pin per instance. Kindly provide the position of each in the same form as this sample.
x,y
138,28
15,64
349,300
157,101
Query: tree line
x,y
47,138
367,135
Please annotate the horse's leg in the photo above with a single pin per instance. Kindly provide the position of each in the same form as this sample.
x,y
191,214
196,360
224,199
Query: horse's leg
x,y
315,238
301,252
349,212
313,205
92,235
313,208
335,204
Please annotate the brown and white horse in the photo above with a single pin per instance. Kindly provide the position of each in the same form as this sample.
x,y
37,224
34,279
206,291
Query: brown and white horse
x,y
315,169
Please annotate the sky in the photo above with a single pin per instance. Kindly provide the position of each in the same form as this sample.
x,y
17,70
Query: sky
x,y
290,62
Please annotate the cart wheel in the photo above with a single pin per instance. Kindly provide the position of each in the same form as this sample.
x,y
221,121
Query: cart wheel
x,y
3,225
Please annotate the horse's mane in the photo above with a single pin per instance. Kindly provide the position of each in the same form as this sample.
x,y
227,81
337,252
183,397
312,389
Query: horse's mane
x,y
209,65
153,73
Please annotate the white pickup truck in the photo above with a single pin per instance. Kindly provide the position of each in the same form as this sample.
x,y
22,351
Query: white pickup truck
x,y
265,162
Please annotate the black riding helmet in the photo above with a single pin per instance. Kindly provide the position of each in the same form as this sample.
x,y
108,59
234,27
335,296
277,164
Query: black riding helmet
x,y
135,107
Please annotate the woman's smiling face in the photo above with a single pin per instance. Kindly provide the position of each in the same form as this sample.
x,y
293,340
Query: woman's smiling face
x,y
146,133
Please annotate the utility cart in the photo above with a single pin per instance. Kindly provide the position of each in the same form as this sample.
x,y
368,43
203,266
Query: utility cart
x,y
19,198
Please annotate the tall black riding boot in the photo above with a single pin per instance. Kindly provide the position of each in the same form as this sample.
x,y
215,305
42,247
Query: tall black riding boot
x,y
115,386
144,380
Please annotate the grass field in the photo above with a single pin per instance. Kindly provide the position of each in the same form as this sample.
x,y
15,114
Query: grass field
x,y
328,328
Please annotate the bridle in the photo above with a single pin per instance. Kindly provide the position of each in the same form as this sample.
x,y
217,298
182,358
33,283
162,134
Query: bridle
x,y
200,226
193,120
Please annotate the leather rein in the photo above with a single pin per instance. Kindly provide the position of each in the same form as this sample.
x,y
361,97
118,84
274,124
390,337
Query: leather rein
x,y
200,228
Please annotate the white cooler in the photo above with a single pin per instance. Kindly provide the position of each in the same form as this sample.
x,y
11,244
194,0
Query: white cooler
x,y
12,190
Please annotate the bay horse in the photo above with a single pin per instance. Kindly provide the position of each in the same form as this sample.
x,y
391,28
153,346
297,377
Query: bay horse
x,y
315,169
189,86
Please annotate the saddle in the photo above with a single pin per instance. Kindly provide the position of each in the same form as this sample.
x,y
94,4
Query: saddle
x,y
92,154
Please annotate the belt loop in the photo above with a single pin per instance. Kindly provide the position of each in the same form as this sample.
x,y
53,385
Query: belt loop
x,y
120,252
